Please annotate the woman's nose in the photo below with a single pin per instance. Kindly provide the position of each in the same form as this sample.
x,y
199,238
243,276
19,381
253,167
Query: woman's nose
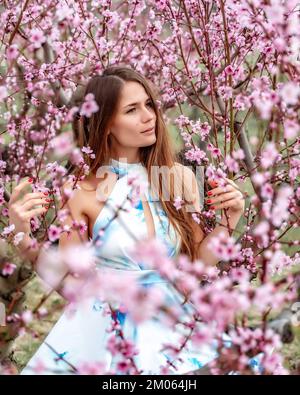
x,y
148,114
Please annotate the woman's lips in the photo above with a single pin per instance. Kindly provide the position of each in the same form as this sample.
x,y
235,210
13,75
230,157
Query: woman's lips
x,y
150,131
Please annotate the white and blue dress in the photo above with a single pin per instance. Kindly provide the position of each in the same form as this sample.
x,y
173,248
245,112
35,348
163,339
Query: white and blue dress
x,y
82,337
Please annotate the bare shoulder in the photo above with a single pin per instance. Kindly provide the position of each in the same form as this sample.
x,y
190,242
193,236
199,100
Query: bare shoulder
x,y
78,195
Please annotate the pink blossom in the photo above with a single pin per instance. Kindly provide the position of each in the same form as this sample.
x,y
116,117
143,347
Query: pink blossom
x,y
228,70
238,154
273,363
145,306
37,38
186,282
4,212
12,52
269,155
87,150
138,185
266,297
225,92
91,368
216,175
182,121
39,367
8,229
231,164
224,247
150,252
279,262
275,12
63,144
89,106
202,336
18,238
79,260
291,128
178,202
27,317
51,267
196,218
267,191
215,152
71,113
290,92
200,129
8,269
112,345
42,312
53,233
258,178
3,92
280,210
242,102
280,44
76,156
196,155
261,231
64,12
240,275
123,366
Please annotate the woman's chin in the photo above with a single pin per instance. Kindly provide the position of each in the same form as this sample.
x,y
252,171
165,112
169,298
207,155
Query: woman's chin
x,y
148,141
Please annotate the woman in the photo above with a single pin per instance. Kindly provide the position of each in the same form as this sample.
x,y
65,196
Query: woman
x,y
126,131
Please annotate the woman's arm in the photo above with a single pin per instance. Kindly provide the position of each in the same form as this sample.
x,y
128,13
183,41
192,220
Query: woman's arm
x,y
22,206
75,208
231,198
205,253
67,240
29,248
21,210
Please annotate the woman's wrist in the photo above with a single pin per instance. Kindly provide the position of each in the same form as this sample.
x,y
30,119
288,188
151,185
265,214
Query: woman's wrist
x,y
231,218
28,247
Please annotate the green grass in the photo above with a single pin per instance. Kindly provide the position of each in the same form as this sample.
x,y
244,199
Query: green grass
x,y
291,352
26,345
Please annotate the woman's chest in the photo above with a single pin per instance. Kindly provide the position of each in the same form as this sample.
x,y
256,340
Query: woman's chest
x,y
104,201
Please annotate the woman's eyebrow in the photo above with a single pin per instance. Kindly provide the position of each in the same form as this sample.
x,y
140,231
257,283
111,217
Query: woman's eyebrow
x,y
133,104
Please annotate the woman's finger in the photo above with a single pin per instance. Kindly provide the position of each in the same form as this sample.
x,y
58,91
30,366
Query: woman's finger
x,y
17,191
233,184
220,190
30,196
34,202
36,211
227,204
223,197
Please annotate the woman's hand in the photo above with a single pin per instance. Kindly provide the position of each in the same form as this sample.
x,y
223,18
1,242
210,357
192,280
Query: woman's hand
x,y
226,197
21,211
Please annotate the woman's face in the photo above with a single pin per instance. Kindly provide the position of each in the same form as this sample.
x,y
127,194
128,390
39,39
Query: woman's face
x,y
134,116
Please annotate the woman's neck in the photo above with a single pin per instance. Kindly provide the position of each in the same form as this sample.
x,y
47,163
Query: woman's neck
x,y
128,156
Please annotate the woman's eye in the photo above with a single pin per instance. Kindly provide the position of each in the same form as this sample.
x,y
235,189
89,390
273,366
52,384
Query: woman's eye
x,y
133,109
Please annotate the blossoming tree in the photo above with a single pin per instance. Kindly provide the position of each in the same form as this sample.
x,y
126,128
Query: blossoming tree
x,y
227,73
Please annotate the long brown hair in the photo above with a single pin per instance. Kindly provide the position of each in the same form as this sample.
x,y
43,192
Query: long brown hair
x,y
93,132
